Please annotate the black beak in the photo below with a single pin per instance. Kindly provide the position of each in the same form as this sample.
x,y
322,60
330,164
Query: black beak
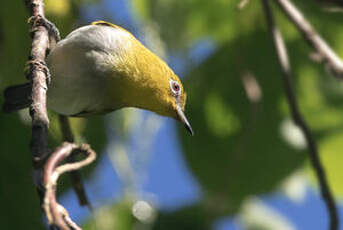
x,y
183,119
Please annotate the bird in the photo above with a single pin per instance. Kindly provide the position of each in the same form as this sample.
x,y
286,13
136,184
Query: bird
x,y
100,68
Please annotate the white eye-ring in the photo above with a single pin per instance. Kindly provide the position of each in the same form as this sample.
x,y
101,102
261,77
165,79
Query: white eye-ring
x,y
175,87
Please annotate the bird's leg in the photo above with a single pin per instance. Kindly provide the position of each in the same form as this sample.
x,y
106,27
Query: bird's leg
x,y
54,33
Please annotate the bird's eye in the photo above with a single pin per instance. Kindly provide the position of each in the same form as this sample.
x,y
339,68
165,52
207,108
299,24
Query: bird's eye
x,y
175,87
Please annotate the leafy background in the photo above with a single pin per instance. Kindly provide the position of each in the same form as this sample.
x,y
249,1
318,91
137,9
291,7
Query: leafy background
x,y
246,167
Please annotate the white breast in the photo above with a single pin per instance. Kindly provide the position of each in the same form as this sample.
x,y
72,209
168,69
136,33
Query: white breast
x,y
80,68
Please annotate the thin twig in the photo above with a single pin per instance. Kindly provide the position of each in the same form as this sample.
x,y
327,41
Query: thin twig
x,y
56,214
332,60
75,176
286,70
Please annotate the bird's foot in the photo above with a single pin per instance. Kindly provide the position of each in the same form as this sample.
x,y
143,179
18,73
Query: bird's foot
x,y
54,33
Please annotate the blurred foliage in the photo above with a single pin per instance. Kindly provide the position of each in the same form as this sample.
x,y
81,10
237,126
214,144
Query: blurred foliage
x,y
256,215
193,19
237,162
238,150
118,217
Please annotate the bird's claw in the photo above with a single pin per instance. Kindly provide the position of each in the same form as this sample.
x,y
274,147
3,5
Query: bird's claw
x,y
54,33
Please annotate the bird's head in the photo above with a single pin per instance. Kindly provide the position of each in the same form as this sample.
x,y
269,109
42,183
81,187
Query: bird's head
x,y
145,80
162,93
149,83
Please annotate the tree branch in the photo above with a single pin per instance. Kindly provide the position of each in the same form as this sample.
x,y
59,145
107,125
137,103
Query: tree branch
x,y
286,70
38,75
327,55
56,214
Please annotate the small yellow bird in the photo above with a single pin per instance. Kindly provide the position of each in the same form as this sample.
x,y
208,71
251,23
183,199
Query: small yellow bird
x,y
100,68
